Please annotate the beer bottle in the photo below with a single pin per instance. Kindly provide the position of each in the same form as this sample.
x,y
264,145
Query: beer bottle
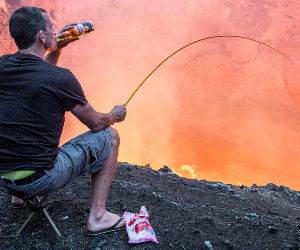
x,y
78,30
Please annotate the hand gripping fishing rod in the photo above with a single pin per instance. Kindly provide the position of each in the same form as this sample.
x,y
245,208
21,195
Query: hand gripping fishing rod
x,y
206,38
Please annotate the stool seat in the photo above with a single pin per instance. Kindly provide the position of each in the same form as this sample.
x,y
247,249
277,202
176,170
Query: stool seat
x,y
36,205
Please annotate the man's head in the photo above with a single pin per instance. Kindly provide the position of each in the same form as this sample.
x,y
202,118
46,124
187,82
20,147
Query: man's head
x,y
30,26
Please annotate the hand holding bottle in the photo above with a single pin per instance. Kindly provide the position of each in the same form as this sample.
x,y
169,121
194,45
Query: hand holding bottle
x,y
61,43
74,30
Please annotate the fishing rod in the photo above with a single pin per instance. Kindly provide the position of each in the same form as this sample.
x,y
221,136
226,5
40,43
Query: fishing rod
x,y
197,41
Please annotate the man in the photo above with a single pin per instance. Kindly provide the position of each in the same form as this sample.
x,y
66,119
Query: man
x,y
34,96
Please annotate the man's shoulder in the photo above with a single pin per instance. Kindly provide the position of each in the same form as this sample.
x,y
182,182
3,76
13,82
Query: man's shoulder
x,y
57,68
58,71
62,70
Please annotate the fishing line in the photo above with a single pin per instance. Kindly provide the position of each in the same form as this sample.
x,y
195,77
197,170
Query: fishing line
x,y
206,38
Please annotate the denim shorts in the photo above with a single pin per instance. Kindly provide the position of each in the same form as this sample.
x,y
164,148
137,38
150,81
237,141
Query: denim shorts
x,y
85,154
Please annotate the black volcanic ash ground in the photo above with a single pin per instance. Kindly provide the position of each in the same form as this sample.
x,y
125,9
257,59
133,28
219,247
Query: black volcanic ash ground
x,y
185,214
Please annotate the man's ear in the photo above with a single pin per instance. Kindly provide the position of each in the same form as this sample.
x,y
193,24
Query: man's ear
x,y
41,37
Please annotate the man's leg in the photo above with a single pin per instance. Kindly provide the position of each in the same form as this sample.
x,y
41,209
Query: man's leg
x,y
99,217
68,165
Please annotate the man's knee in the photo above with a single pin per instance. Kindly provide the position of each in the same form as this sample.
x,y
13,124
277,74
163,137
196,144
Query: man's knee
x,y
115,138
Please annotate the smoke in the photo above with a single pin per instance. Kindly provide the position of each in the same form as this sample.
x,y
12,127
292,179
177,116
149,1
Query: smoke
x,y
227,107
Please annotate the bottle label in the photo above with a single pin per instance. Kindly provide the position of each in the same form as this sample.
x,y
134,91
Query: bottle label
x,y
80,28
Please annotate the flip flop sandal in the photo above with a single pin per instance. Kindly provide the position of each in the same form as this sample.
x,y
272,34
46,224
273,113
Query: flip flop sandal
x,y
111,229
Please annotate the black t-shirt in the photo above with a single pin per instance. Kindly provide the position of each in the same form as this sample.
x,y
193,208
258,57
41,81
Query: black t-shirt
x,y
34,96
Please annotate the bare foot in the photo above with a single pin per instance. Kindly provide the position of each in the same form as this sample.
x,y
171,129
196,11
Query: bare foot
x,y
105,221
16,200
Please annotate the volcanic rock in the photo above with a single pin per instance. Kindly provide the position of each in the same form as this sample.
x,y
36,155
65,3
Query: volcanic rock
x,y
185,214
165,169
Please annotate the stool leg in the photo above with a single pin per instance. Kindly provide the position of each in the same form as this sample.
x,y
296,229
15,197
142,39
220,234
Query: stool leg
x,y
51,221
25,224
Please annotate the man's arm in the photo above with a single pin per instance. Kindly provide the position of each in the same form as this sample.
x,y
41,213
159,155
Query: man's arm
x,y
53,55
97,121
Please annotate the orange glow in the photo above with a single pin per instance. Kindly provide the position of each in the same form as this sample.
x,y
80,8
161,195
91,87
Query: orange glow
x,y
188,171
226,109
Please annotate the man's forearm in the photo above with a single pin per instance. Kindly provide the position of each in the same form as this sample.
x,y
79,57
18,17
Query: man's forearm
x,y
104,121
97,121
52,56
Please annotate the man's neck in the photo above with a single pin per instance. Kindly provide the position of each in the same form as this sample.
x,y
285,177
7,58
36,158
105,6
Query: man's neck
x,y
34,50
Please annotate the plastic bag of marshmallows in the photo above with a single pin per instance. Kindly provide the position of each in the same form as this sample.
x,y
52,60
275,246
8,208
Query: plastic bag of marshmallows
x,y
138,227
